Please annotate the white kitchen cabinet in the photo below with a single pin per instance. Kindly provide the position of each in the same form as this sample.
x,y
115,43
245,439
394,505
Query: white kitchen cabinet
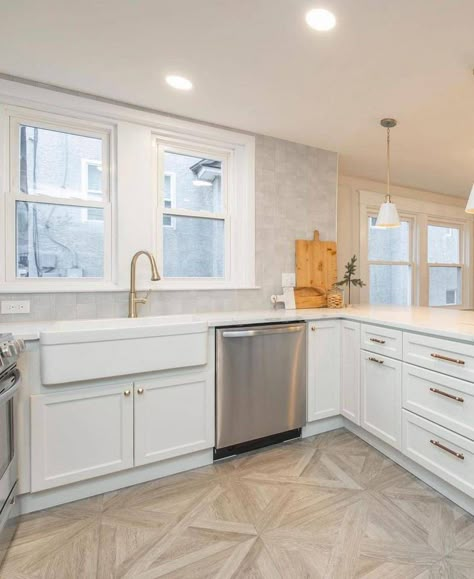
x,y
80,434
174,415
350,370
324,369
381,397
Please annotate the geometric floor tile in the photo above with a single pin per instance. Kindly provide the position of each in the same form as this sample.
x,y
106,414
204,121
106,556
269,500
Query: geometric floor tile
x,y
328,507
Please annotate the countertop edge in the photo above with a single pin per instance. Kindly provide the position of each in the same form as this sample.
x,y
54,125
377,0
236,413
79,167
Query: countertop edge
x,y
428,320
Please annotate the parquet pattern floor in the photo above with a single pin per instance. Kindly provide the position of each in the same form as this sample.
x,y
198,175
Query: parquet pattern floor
x,y
329,507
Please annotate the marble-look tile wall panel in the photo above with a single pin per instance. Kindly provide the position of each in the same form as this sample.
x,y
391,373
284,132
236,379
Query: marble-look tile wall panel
x,y
295,187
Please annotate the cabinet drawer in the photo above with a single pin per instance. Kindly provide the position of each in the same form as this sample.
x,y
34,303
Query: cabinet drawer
x,y
442,399
441,355
440,451
382,340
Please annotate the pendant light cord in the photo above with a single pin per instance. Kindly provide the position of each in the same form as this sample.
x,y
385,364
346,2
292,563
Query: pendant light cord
x,y
388,164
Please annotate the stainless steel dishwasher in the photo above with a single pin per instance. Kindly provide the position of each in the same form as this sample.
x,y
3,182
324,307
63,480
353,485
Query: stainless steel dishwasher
x,y
260,385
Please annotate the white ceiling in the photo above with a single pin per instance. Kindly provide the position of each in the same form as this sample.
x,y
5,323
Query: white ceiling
x,y
257,66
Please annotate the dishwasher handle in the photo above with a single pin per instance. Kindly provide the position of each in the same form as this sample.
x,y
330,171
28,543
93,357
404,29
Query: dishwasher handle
x,y
262,331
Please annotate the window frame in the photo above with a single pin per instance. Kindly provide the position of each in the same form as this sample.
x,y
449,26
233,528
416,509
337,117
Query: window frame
x,y
452,224
411,263
423,213
12,118
238,211
193,149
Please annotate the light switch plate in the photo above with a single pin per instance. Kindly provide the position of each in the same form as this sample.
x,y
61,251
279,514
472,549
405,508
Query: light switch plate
x,y
288,280
15,307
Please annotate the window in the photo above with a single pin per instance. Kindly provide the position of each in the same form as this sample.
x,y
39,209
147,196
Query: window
x,y
426,261
390,263
444,265
59,197
194,213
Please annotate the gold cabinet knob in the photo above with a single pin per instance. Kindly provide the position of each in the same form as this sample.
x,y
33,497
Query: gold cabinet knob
x,y
313,328
140,391
126,393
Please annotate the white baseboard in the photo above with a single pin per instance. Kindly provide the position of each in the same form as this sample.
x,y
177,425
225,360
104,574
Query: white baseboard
x,y
447,490
323,425
112,482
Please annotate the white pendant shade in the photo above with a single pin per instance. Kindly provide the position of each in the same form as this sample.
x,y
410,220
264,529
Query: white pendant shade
x,y
470,202
388,216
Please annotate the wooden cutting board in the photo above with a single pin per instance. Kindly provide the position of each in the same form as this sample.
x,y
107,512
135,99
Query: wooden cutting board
x,y
316,271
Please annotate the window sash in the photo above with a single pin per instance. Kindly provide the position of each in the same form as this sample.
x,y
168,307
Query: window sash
x,y
224,215
69,125
410,263
450,225
460,268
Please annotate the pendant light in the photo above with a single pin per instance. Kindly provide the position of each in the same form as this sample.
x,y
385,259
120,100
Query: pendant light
x,y
388,214
470,202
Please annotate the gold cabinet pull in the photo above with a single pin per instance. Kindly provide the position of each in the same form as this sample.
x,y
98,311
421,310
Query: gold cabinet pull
x,y
447,359
140,391
377,340
457,398
126,393
446,449
375,360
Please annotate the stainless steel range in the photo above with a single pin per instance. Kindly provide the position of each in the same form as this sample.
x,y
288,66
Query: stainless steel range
x,y
10,349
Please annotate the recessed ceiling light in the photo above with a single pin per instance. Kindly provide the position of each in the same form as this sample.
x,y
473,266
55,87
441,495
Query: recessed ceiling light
x,y
320,19
179,82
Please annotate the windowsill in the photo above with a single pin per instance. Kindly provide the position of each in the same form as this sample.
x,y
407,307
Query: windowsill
x,y
51,288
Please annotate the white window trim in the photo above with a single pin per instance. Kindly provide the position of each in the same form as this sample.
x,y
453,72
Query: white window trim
x,y
411,263
422,212
238,211
11,117
133,186
460,265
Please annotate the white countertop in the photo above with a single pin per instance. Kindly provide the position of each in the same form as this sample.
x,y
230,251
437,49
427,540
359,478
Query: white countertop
x,y
450,323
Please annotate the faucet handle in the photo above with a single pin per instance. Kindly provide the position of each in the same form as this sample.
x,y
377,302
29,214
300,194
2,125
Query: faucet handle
x,y
144,299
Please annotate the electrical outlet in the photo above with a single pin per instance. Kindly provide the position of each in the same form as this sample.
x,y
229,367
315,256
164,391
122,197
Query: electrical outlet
x,y
15,307
288,280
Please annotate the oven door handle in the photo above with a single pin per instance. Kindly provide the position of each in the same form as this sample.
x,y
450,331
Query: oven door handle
x,y
5,396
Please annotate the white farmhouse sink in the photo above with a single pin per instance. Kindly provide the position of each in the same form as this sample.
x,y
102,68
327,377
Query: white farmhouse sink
x,y
93,349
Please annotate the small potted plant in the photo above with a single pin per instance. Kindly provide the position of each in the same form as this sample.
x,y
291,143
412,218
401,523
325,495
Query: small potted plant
x,y
349,279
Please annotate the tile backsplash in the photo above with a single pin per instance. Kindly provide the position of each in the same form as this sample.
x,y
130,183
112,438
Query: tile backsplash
x,y
295,193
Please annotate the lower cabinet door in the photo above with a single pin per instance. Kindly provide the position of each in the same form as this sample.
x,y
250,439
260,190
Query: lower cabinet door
x,y
350,370
173,416
80,434
324,369
381,397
